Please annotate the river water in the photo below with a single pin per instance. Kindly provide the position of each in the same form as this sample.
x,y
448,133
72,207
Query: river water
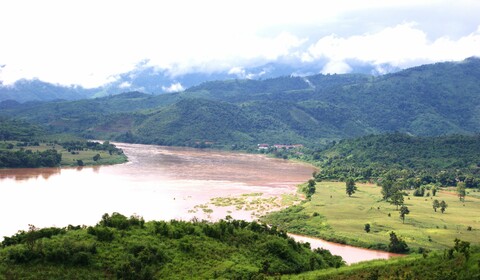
x,y
158,183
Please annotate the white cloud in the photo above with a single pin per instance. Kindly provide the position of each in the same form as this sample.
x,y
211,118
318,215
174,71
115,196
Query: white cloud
x,y
175,87
336,67
238,71
90,42
403,46
125,85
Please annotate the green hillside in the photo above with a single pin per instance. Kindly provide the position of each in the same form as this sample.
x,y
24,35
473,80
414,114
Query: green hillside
x,y
130,248
429,100
443,160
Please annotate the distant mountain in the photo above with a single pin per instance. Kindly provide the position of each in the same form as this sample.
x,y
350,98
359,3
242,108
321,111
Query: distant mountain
x,y
36,90
151,80
156,81
429,100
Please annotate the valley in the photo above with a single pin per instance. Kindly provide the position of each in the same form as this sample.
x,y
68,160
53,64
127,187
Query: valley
x,y
404,140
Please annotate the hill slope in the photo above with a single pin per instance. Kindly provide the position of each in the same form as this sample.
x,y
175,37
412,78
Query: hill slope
x,y
428,100
128,248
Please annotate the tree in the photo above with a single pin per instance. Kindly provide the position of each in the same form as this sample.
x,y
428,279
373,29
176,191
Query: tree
x,y
404,211
387,189
350,186
367,228
462,247
436,205
443,206
96,157
419,191
461,191
310,189
397,245
397,198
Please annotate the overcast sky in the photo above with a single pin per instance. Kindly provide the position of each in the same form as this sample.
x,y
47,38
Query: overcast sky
x,y
89,42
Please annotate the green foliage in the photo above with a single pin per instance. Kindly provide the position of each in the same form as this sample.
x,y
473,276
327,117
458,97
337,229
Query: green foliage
x,y
428,100
28,146
397,245
367,228
443,206
426,265
129,248
27,158
119,221
309,189
350,186
403,212
399,161
461,191
294,219
11,129
436,204
397,199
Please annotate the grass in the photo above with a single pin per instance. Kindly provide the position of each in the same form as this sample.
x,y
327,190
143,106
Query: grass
x,y
431,266
69,159
342,218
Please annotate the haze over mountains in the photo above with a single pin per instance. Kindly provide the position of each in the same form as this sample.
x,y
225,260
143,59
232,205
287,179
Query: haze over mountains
x,y
149,79
429,100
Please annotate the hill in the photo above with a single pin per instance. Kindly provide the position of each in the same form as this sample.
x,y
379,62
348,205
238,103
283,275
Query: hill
x,y
429,100
443,160
153,80
36,90
130,248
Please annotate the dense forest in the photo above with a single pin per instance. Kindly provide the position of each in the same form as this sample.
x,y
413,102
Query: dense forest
x,y
429,100
119,247
444,160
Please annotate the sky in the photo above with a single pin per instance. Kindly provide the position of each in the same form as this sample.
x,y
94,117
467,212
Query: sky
x,y
91,42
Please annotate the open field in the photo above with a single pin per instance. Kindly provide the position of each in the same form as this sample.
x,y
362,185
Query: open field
x,y
68,158
342,218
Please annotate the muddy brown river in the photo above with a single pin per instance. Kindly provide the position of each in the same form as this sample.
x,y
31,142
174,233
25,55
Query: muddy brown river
x,y
158,183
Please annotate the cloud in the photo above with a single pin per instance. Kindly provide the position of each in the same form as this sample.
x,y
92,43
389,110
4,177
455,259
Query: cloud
x,y
403,45
125,85
237,71
175,87
91,42
336,67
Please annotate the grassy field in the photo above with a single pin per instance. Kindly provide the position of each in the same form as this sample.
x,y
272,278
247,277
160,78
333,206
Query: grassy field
x,y
69,159
341,218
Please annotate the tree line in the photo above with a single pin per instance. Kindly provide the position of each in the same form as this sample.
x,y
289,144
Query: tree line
x,y
30,159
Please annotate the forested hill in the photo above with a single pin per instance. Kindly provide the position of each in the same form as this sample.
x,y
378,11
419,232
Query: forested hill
x,y
130,248
443,160
429,100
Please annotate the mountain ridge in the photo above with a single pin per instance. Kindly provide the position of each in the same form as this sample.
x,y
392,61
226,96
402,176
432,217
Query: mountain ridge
x,y
428,100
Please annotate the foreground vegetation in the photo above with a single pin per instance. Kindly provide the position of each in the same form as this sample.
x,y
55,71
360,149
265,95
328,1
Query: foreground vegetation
x,y
333,215
129,248
453,263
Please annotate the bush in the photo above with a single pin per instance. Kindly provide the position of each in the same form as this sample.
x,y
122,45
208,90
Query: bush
x,y
397,245
103,234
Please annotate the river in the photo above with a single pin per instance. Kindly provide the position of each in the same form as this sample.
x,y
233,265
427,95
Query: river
x,y
158,183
